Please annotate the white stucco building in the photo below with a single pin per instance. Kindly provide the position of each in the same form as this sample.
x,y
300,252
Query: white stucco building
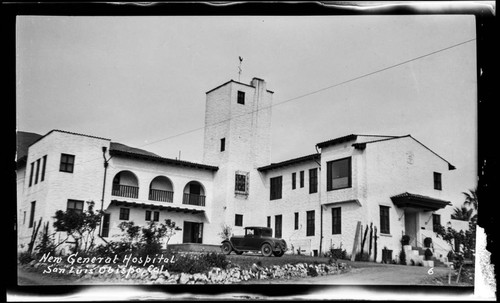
x,y
395,183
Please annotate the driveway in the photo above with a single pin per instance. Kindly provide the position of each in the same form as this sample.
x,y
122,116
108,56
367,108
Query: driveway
x,y
374,274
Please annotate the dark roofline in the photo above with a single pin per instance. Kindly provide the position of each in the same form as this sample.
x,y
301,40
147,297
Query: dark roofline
x,y
413,200
157,206
289,162
351,137
363,145
70,133
237,83
119,153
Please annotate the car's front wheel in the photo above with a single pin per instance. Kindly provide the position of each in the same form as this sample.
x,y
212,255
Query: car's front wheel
x,y
226,248
266,250
278,253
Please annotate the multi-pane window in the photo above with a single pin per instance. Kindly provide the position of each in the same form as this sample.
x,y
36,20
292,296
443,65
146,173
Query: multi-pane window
x,y
238,220
124,213
338,174
75,206
336,221
222,144
241,183
156,216
313,180
276,184
269,221
241,97
296,221
67,163
44,164
148,215
436,222
277,226
384,220
32,170
294,180
37,170
310,223
437,181
301,178
32,213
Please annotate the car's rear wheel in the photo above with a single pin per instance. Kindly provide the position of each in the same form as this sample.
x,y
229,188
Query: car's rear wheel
x,y
278,253
266,250
226,248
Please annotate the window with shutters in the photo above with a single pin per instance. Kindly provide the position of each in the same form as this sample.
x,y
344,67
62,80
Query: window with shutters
x,y
336,221
313,180
384,220
310,224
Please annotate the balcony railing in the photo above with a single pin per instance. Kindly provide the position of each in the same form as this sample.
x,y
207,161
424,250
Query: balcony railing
x,y
125,191
193,199
161,195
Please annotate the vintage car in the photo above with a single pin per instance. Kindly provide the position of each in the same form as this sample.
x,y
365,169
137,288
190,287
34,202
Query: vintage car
x,y
255,239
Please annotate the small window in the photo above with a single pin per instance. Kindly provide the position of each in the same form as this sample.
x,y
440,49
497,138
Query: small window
x,y
436,222
156,216
384,220
336,221
238,220
37,170
310,225
67,163
32,213
437,181
124,213
32,170
277,226
296,221
301,178
222,144
269,221
44,164
294,180
241,97
241,183
313,180
276,184
24,217
75,206
148,215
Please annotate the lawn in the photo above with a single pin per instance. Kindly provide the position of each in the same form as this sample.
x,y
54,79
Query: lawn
x,y
246,260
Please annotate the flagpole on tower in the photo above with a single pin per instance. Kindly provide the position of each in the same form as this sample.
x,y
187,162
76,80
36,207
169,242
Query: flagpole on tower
x,y
239,68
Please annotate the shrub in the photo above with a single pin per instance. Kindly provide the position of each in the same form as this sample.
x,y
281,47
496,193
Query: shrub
x,y
311,271
427,242
405,240
337,253
402,257
428,254
26,257
362,257
197,263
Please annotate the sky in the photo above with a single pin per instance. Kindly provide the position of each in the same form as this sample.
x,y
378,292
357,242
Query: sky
x,y
141,81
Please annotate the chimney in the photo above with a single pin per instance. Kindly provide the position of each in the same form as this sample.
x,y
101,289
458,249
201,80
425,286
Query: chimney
x,y
258,83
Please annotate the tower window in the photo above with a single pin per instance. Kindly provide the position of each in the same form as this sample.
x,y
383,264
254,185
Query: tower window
x,y
222,144
241,97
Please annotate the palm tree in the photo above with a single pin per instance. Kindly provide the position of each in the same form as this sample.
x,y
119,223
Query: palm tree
x,y
463,213
471,198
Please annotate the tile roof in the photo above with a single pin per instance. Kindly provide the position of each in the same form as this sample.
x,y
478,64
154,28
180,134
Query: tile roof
x,y
419,201
290,162
24,140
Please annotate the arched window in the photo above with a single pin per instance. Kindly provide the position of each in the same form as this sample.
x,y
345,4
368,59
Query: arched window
x,y
194,194
125,184
161,189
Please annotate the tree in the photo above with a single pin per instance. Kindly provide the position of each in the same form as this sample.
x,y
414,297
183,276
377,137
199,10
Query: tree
x,y
463,213
79,225
471,200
